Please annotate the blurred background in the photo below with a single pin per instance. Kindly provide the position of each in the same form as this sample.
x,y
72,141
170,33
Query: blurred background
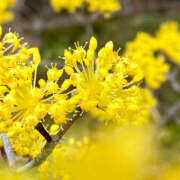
x,y
53,32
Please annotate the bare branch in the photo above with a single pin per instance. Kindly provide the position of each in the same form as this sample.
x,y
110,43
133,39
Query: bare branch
x,y
172,77
170,113
8,150
177,119
21,159
49,147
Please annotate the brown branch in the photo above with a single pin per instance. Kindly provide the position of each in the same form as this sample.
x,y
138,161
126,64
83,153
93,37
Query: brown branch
x,y
43,132
3,154
49,147
133,84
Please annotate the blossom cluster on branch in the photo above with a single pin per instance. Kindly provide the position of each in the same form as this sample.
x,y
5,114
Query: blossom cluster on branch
x,y
98,85
98,81
106,85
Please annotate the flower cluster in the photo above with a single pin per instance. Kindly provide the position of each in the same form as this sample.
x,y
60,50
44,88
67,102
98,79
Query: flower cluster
x,y
102,6
106,85
142,51
71,6
168,37
24,103
5,10
148,52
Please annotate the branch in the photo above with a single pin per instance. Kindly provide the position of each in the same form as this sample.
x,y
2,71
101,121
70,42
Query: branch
x,y
172,77
43,132
8,150
133,84
49,147
21,159
3,154
170,113
177,119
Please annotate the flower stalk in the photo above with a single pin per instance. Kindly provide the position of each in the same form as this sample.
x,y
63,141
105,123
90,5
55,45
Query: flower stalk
x,y
49,146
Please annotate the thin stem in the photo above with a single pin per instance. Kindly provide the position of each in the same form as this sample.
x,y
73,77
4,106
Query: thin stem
x,y
133,84
89,29
49,147
8,150
170,113
43,132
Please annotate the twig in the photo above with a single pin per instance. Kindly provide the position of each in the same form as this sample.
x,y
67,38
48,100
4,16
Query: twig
x,y
177,119
43,132
21,159
172,77
89,29
3,154
8,150
49,147
170,113
156,114
133,84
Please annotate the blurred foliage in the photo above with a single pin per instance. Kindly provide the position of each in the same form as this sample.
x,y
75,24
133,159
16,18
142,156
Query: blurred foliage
x,y
119,30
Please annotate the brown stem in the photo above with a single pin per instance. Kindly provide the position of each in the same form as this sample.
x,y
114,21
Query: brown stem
x,y
43,132
3,154
133,84
66,126
49,147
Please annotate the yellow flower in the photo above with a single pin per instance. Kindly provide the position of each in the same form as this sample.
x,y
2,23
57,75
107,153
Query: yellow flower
x,y
125,153
5,10
106,85
149,52
66,156
24,103
105,7
142,51
59,5
168,37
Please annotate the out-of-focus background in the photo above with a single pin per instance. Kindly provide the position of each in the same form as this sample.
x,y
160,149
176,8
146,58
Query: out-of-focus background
x,y
53,32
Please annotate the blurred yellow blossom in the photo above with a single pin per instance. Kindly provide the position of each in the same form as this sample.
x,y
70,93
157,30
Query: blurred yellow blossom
x,y
105,7
148,52
168,38
6,13
111,155
142,51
